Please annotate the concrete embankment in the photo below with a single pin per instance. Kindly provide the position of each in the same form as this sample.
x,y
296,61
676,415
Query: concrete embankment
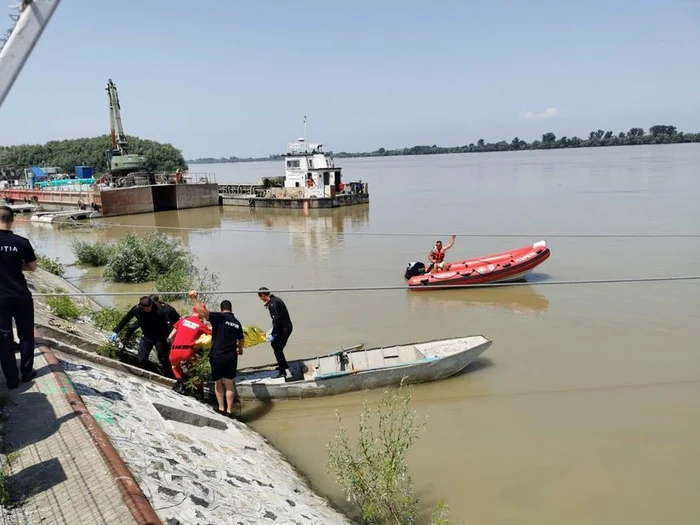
x,y
192,464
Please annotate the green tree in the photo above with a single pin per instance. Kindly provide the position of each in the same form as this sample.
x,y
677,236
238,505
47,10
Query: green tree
x,y
66,154
549,139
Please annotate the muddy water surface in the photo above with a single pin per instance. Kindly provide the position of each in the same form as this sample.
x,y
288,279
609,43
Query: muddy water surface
x,y
584,410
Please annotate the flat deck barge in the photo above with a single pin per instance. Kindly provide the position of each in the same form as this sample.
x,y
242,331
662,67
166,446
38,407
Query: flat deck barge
x,y
112,202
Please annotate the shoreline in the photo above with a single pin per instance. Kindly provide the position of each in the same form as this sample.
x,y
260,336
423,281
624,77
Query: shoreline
x,y
91,373
439,150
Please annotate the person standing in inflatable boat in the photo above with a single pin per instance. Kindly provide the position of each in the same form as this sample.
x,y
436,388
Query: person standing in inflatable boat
x,y
437,255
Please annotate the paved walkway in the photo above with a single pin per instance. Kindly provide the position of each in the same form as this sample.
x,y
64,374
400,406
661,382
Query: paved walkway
x,y
63,469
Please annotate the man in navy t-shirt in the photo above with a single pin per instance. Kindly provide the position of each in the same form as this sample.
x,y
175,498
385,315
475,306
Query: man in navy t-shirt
x,y
16,256
227,342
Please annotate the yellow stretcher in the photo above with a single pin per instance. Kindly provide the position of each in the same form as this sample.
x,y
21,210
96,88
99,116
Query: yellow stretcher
x,y
253,336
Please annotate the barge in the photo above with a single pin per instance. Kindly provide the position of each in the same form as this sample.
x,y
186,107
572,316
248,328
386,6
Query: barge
x,y
312,180
193,191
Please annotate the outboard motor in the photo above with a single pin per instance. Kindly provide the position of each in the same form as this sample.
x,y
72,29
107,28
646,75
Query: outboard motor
x,y
413,269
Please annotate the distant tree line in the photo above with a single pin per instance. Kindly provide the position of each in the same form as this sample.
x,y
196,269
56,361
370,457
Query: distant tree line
x,y
634,137
67,154
227,160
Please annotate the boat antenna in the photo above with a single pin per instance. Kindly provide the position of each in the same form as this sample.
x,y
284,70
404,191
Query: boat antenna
x,y
305,150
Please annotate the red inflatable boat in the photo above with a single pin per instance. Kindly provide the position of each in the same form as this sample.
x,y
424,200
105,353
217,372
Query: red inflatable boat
x,y
499,268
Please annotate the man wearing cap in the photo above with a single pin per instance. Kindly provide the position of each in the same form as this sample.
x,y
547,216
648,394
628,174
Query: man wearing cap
x,y
16,256
184,335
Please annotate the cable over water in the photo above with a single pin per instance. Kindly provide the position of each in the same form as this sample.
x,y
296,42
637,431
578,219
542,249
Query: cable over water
x,y
380,288
101,223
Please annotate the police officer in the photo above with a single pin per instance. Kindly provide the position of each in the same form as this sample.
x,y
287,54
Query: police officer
x,y
281,327
16,256
155,326
172,313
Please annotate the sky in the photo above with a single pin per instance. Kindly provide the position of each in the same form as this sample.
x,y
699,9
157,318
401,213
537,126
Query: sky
x,y
225,77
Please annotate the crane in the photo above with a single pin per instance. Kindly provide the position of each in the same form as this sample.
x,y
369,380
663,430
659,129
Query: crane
x,y
119,161
16,47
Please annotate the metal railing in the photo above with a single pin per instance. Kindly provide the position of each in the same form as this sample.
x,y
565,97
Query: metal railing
x,y
257,190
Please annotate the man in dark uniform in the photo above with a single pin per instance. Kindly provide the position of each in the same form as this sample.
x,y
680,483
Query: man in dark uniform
x,y
281,327
173,315
227,342
155,326
170,312
16,256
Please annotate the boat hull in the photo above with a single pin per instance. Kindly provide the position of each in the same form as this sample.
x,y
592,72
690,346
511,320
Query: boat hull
x,y
503,267
429,369
73,215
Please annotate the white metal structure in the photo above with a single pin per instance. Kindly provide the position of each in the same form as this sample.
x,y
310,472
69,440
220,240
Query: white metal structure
x,y
33,17
312,169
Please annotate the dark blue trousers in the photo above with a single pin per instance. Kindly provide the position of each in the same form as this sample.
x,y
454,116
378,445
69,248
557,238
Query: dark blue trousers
x,y
21,309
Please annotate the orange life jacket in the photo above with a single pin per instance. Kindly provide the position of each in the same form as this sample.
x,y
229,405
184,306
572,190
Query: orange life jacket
x,y
439,256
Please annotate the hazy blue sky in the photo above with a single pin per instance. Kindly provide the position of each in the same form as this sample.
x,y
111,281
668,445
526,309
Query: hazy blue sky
x,y
224,77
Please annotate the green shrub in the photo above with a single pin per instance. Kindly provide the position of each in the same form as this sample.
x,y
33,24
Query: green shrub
x,y
110,350
92,254
107,319
50,265
154,257
174,281
199,372
141,259
374,474
63,307
181,280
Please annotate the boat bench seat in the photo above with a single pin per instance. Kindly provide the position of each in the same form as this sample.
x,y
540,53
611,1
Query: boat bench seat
x,y
379,357
401,354
328,365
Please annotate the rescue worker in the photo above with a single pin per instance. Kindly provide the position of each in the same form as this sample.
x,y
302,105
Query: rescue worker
x,y
281,327
155,326
183,337
226,345
16,302
437,255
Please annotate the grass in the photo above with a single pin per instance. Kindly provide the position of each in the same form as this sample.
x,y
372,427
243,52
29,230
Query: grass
x,y
50,265
63,307
374,472
6,461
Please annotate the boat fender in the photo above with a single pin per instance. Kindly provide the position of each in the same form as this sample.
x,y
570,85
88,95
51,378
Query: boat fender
x,y
251,202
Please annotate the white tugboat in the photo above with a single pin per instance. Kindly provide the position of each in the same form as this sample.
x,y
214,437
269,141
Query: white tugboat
x,y
311,180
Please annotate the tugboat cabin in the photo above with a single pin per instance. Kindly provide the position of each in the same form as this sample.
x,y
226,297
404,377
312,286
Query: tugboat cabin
x,y
312,169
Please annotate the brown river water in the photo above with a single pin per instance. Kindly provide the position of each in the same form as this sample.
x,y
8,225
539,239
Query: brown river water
x,y
586,407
